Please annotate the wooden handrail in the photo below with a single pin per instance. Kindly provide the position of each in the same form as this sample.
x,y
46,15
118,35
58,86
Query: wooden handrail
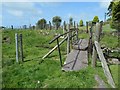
x,y
71,30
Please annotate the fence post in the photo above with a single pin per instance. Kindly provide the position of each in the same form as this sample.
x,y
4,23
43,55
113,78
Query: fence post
x,y
90,40
59,52
77,31
63,28
100,29
68,40
49,25
96,38
86,27
21,47
17,48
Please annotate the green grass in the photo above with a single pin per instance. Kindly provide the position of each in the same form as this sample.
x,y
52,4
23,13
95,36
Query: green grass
x,y
106,28
109,41
33,73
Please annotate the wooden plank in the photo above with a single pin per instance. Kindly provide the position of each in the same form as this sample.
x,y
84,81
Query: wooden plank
x,y
104,64
76,60
82,44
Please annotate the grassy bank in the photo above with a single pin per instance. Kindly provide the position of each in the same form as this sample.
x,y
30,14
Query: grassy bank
x,y
35,73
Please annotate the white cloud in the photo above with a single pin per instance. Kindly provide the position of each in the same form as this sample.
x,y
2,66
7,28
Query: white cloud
x,y
49,4
105,3
22,8
51,1
16,13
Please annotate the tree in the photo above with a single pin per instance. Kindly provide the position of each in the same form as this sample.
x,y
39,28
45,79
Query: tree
x,y
114,13
95,19
81,22
71,21
41,23
56,20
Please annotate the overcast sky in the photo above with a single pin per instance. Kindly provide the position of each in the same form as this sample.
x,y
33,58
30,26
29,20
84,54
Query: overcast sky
x,y
25,13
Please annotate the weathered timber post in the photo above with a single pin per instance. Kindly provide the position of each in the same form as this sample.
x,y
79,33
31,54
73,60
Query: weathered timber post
x,y
68,40
90,40
59,52
21,47
11,26
73,31
17,48
63,27
96,38
100,29
86,27
77,31
49,25
74,24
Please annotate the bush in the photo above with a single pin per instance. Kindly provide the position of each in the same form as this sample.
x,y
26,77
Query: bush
x,y
81,22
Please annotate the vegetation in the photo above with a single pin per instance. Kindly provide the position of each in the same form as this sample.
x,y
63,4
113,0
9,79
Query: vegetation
x,y
41,23
81,23
71,21
95,19
56,21
114,12
35,73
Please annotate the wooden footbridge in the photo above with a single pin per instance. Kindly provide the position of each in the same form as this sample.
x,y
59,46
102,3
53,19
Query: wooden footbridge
x,y
77,58
77,50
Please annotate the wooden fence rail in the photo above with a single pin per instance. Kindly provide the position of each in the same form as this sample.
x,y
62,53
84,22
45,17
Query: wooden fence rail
x,y
68,37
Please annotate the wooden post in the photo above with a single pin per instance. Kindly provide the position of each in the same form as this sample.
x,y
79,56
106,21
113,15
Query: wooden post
x,y
86,27
100,29
96,38
72,33
49,25
68,40
63,27
11,26
105,17
90,41
94,57
17,50
59,52
77,31
21,47
74,24
104,65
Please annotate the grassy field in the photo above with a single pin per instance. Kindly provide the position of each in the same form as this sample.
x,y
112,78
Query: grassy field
x,y
35,73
